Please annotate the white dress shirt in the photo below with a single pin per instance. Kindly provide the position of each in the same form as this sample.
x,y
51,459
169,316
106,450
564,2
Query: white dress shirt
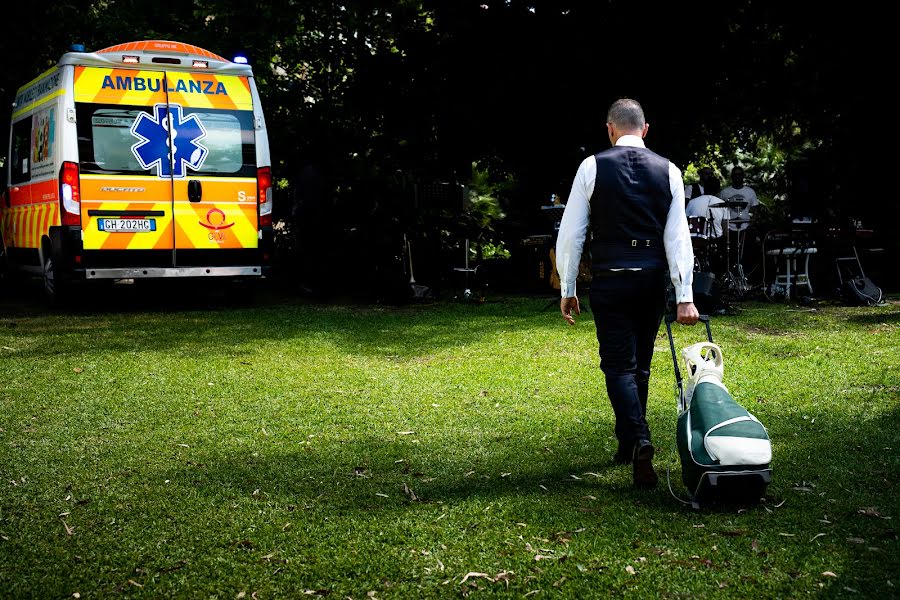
x,y
577,216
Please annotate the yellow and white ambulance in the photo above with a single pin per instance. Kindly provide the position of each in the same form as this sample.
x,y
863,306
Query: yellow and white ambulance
x,y
146,159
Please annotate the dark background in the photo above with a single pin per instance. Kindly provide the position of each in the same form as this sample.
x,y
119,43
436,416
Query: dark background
x,y
378,110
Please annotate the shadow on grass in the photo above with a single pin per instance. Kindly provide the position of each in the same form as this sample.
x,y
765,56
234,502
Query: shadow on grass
x,y
359,477
206,320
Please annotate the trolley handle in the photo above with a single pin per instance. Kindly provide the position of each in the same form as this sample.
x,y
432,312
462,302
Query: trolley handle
x,y
671,319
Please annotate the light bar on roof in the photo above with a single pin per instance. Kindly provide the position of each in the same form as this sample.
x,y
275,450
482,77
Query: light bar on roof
x,y
240,60
131,59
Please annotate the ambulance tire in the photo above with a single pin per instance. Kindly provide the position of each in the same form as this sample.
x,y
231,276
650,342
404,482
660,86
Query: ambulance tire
x,y
57,289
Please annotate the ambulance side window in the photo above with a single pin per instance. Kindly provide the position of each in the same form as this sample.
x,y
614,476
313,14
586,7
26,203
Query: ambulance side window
x,y
19,163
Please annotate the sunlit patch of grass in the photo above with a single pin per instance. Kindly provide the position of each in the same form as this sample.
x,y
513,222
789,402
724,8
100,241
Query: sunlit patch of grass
x,y
286,449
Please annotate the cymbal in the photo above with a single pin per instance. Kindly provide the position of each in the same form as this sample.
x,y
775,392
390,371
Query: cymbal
x,y
729,204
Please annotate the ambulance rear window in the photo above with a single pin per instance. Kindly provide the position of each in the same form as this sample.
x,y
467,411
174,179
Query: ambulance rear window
x,y
119,140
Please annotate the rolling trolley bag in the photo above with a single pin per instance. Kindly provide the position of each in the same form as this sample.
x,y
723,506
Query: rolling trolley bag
x,y
725,451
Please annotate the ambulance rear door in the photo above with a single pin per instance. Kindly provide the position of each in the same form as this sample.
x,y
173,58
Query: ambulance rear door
x,y
168,166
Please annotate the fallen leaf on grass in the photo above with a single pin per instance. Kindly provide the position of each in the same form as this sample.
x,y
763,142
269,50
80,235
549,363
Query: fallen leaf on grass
x,y
134,583
630,570
502,475
787,534
78,369
69,530
870,511
241,595
286,527
575,477
406,433
409,493
532,593
818,535
475,574
856,540
381,495
754,545
63,514
828,574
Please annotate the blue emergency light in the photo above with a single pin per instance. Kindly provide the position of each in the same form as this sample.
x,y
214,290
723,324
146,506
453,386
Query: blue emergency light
x,y
240,60
76,48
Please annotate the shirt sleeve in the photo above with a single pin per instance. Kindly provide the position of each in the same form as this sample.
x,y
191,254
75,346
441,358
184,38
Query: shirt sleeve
x,y
574,225
677,240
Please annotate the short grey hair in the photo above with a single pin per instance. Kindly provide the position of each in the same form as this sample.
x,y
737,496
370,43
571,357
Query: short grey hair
x,y
626,114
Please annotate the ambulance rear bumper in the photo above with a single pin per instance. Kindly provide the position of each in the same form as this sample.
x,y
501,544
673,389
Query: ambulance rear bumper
x,y
159,272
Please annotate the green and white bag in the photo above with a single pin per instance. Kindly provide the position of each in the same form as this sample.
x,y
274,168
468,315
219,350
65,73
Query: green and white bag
x,y
725,451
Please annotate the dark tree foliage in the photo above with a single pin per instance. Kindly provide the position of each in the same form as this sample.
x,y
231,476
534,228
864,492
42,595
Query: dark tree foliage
x,y
369,100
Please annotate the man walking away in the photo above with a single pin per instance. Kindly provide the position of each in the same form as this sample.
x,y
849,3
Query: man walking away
x,y
632,202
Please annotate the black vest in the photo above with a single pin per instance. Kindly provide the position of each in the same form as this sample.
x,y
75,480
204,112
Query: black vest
x,y
629,206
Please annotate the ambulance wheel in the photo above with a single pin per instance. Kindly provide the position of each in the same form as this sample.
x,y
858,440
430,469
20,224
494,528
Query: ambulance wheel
x,y
56,288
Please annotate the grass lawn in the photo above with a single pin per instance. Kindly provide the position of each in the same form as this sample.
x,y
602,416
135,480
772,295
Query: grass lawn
x,y
286,448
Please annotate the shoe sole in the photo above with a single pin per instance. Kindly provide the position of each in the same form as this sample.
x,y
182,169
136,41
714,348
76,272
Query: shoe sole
x,y
644,475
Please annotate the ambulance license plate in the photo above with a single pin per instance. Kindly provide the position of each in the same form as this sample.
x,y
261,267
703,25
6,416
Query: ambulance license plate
x,y
126,225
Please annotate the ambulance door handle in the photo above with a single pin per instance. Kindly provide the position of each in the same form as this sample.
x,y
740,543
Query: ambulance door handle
x,y
195,190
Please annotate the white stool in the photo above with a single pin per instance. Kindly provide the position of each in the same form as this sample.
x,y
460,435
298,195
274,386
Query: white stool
x,y
792,277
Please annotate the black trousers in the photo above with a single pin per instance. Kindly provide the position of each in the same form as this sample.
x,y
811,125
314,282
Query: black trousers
x,y
628,307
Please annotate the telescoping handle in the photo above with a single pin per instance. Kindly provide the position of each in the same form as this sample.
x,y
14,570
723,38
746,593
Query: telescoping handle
x,y
671,319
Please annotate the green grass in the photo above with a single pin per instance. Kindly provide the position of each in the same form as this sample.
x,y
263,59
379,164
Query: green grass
x,y
287,448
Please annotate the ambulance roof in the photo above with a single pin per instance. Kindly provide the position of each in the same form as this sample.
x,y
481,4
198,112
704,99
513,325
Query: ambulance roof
x,y
156,55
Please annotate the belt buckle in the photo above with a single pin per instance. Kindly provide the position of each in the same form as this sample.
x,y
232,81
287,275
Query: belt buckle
x,y
633,243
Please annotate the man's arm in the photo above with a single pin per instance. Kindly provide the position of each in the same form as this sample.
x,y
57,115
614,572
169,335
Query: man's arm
x,y
572,233
679,252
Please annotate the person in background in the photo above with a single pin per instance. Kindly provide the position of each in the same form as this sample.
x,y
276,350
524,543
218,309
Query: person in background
x,y
740,218
704,206
695,190
632,202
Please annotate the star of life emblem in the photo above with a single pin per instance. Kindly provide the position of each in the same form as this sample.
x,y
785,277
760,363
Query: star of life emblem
x,y
168,126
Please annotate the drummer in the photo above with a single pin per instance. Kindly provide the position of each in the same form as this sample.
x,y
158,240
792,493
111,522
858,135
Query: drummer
x,y
705,206
740,216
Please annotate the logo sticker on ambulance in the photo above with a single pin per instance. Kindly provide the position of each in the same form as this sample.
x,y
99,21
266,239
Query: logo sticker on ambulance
x,y
154,134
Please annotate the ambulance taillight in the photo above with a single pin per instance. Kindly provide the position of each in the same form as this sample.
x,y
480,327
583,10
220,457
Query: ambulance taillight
x,y
264,194
70,194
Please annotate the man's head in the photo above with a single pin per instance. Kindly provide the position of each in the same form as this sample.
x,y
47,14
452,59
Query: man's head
x,y
737,177
625,117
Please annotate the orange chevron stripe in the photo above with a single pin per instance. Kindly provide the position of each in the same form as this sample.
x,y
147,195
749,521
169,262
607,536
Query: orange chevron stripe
x,y
20,229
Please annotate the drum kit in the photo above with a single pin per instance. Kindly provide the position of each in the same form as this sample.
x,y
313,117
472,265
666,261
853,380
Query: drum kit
x,y
719,250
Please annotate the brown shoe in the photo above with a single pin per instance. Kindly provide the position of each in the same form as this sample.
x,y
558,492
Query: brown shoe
x,y
644,475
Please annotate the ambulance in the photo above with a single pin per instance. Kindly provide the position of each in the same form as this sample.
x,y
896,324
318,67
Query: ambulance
x,y
146,159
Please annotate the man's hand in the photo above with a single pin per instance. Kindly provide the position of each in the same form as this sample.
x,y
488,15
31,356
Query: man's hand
x,y
568,307
687,313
